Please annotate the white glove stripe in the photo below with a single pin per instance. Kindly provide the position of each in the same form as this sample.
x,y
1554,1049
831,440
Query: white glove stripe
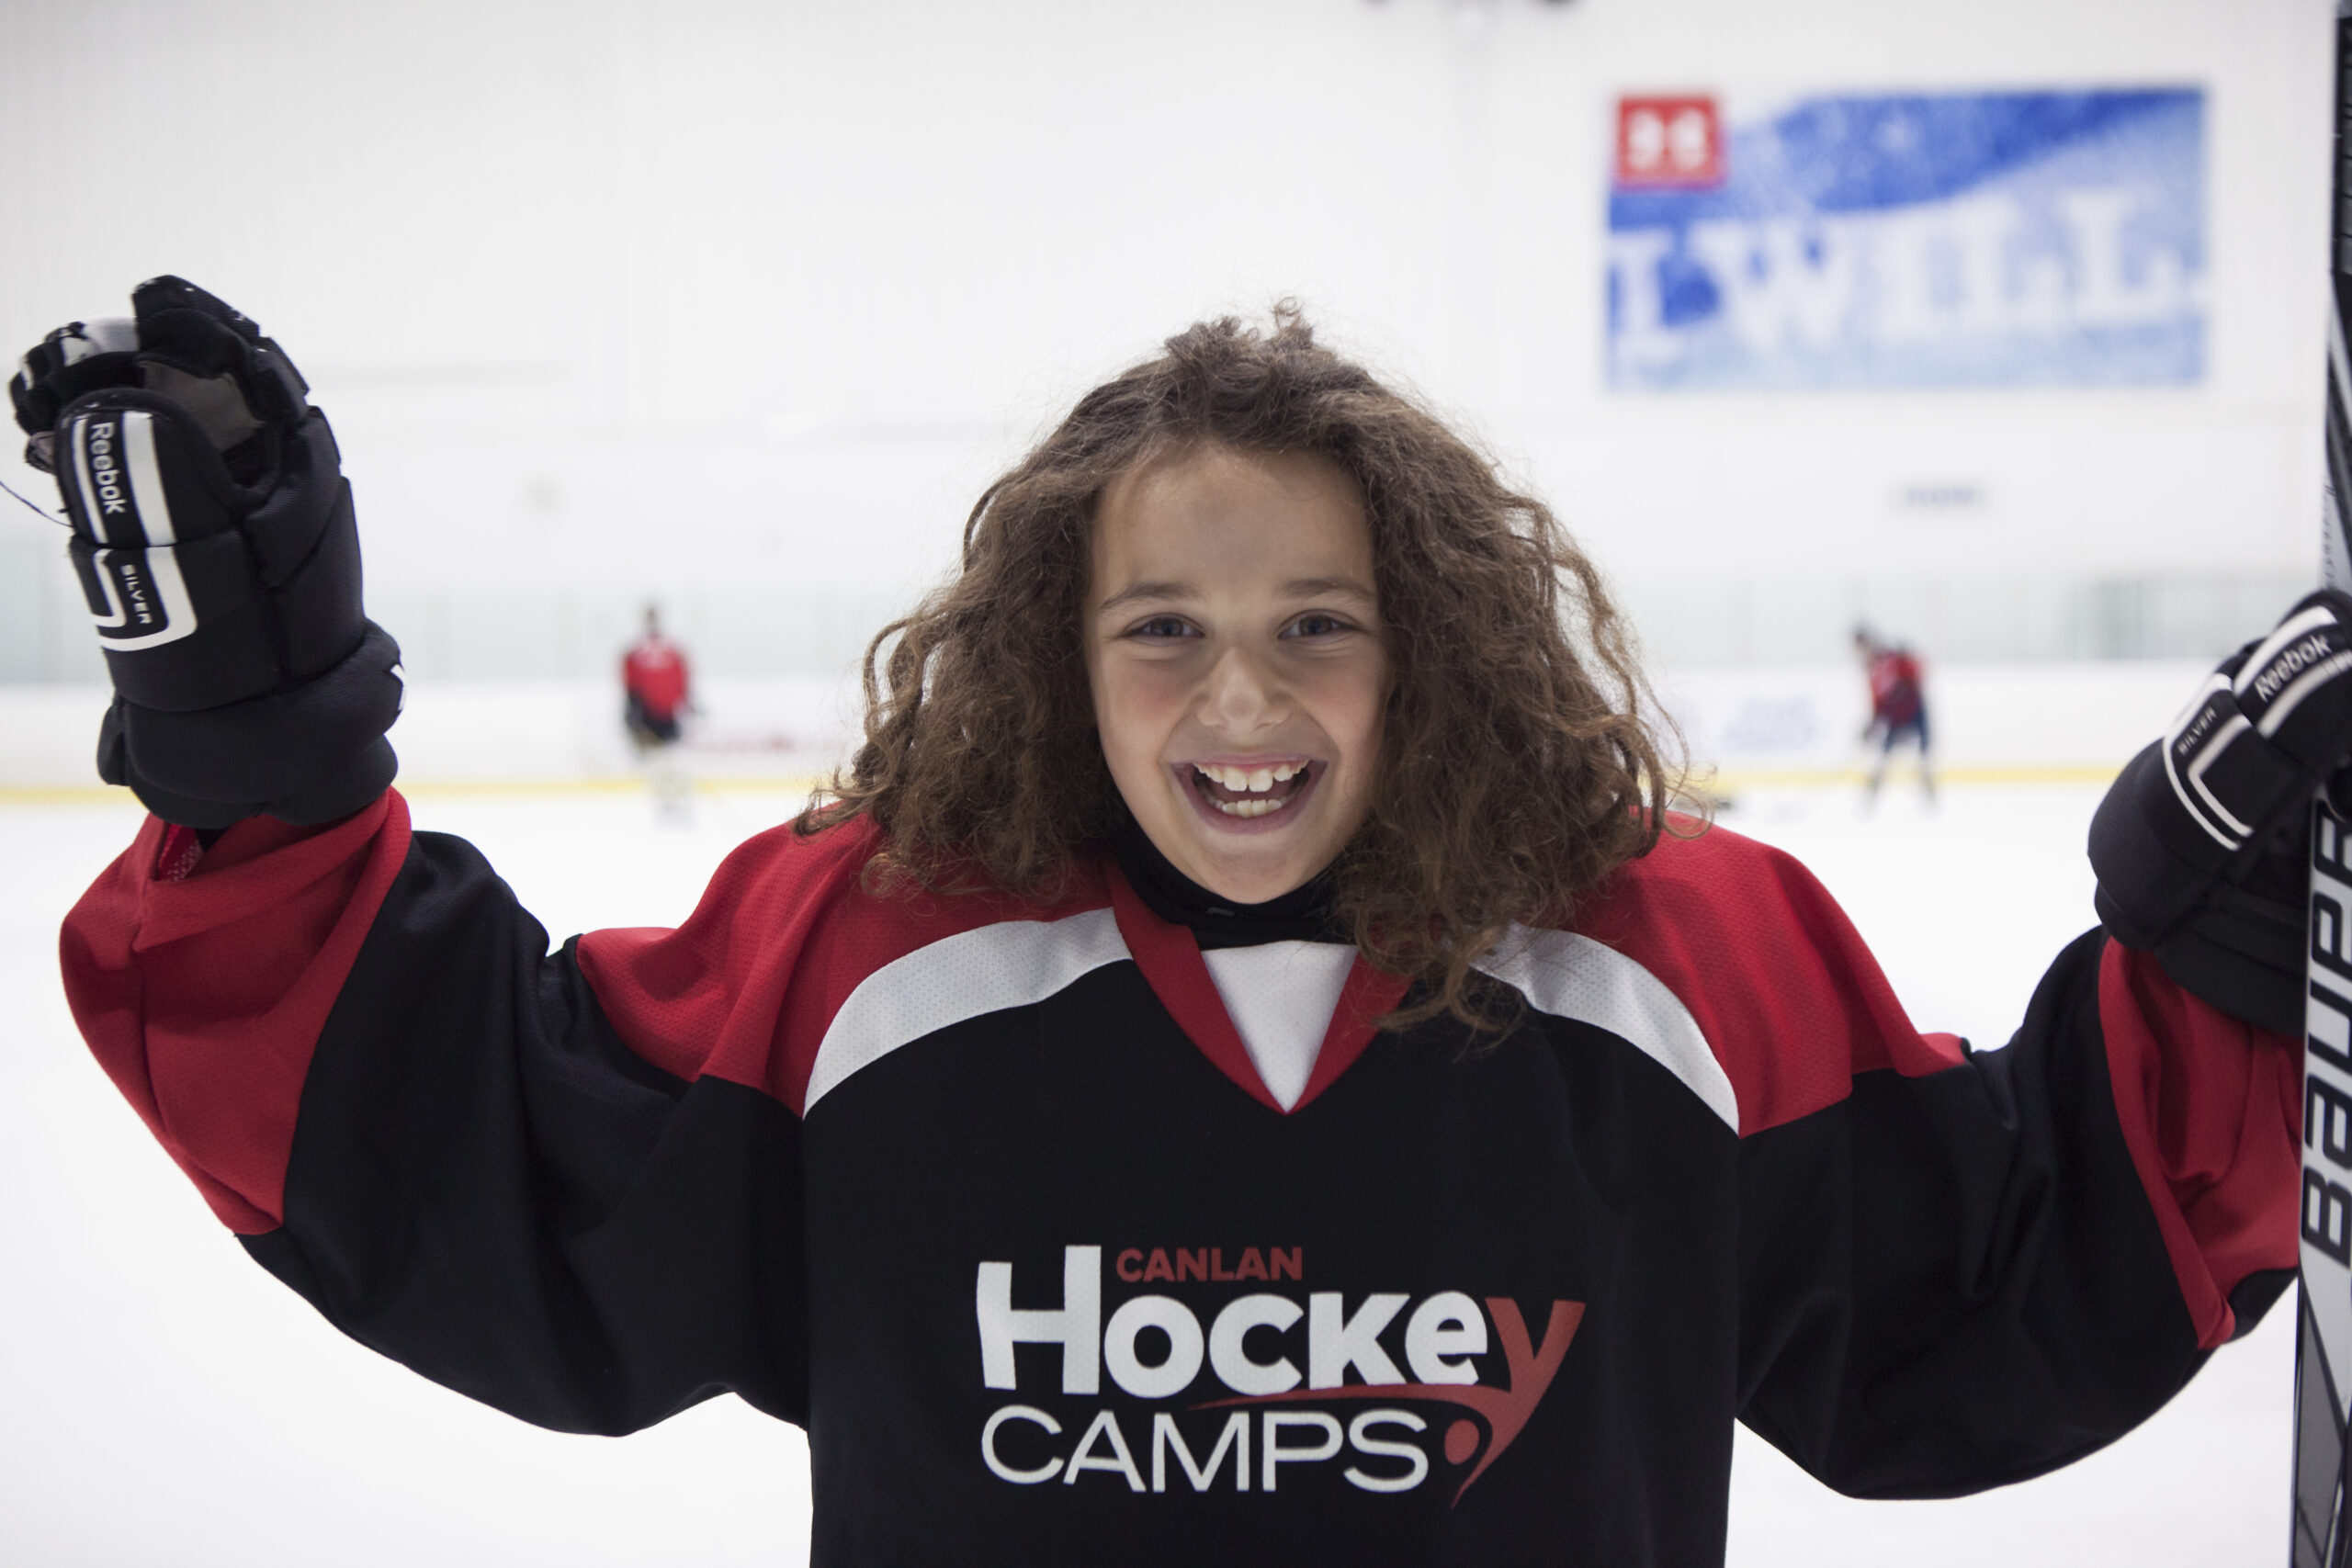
x,y
2210,753
102,575
2216,681
2303,687
92,514
2188,804
146,479
158,570
2269,647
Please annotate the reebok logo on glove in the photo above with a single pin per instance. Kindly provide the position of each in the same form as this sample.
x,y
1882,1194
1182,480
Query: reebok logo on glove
x,y
114,458
102,477
2199,846
2300,655
216,545
2228,787
137,598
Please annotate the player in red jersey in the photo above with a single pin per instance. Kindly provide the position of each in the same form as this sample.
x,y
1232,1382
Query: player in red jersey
x,y
656,684
1898,706
658,693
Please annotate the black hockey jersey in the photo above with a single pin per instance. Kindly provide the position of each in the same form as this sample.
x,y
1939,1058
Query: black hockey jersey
x,y
989,1195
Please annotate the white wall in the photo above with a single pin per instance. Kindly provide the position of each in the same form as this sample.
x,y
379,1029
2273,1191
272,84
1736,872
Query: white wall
x,y
740,304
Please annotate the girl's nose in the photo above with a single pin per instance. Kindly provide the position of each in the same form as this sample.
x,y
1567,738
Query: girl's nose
x,y
1240,692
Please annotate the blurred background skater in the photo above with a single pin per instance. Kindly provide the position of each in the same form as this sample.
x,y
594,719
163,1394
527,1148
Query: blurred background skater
x,y
1898,709
657,697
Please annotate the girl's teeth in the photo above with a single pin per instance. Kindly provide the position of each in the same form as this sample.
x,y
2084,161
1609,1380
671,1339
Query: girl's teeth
x,y
1249,781
1249,808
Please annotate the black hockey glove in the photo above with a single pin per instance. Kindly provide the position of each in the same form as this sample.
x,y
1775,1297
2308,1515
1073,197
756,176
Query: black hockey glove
x,y
214,538
2200,845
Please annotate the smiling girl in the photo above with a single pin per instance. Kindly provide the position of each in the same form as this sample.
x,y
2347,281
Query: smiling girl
x,y
1250,556
1240,1067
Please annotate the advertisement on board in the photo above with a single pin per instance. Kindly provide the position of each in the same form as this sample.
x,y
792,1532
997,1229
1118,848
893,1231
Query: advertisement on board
x,y
1881,239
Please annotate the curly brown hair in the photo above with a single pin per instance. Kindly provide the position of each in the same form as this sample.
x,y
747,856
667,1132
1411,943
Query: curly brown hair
x,y
1522,758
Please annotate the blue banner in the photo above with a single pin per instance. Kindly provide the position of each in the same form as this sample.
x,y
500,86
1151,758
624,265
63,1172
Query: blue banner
x,y
1908,240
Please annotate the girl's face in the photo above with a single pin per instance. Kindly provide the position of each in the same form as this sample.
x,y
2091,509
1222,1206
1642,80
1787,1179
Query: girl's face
x,y
1235,650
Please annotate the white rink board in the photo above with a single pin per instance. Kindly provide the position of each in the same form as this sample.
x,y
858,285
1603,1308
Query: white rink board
x,y
1987,719
169,1402
1803,719
499,732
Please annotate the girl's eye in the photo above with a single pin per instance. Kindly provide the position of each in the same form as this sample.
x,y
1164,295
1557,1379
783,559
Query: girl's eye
x,y
1163,627
1316,625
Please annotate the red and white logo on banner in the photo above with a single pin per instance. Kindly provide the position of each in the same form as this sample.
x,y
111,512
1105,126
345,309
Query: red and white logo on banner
x,y
1675,140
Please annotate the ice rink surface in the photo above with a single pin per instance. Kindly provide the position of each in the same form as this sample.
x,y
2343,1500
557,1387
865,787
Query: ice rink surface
x,y
164,1402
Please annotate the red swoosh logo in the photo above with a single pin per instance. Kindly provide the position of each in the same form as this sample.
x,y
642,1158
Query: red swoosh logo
x,y
1505,1411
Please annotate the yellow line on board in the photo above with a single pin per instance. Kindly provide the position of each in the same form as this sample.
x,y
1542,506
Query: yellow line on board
x,y
64,795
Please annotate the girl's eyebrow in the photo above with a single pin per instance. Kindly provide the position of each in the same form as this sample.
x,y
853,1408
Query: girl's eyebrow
x,y
1297,587
1144,591
1307,587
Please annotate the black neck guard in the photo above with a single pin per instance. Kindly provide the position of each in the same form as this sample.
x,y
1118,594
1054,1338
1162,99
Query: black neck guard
x,y
1303,914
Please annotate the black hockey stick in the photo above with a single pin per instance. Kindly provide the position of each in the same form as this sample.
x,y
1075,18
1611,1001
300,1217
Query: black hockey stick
x,y
2323,1526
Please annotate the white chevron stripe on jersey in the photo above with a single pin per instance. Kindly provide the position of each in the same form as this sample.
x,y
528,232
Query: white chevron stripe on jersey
x,y
1279,996
1569,975
1009,964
